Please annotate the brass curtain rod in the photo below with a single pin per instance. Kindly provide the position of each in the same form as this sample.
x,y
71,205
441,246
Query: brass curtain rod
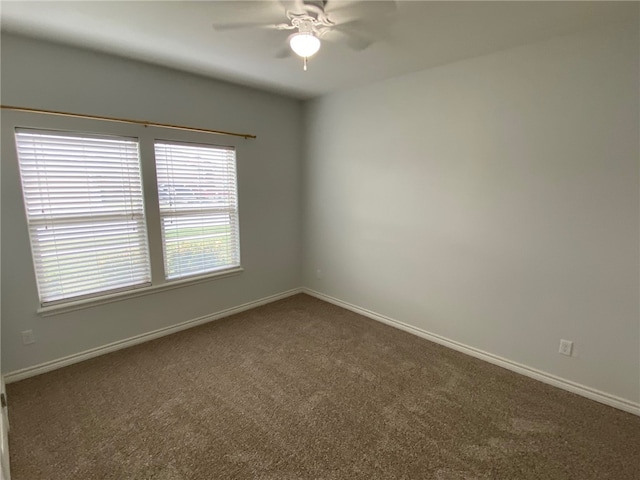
x,y
126,120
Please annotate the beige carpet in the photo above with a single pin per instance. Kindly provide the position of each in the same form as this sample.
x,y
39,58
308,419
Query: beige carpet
x,y
301,389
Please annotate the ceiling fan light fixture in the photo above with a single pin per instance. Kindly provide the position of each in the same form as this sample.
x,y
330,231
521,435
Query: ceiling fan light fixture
x,y
304,44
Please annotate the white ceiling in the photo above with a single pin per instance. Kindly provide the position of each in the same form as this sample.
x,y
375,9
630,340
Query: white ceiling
x,y
419,35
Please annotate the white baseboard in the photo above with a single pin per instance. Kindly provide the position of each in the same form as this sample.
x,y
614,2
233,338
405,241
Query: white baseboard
x,y
593,394
145,337
590,393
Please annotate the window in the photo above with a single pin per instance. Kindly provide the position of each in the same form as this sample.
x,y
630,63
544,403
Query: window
x,y
87,219
85,213
198,208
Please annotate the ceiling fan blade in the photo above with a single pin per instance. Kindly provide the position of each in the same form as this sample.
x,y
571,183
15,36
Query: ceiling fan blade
x,y
355,41
284,52
296,6
221,27
360,34
361,9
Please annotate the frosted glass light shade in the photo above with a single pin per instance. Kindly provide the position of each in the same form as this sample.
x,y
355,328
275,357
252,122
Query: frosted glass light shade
x,y
304,44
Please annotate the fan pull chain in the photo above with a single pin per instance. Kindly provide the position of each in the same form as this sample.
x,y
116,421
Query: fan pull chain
x,y
305,63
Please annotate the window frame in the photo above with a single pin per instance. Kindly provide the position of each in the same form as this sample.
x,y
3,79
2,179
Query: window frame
x,y
61,220
237,208
12,120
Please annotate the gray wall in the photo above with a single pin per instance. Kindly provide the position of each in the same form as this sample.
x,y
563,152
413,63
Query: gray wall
x,y
494,201
42,75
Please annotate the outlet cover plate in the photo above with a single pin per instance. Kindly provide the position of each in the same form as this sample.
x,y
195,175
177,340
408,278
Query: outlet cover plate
x,y
28,338
566,347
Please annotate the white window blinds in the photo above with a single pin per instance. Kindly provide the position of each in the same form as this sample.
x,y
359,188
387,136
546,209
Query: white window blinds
x,y
198,208
84,204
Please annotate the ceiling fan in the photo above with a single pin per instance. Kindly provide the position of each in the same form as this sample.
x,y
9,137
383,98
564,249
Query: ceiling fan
x,y
311,20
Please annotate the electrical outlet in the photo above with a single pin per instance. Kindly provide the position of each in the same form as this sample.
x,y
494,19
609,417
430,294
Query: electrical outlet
x,y
318,274
27,337
566,347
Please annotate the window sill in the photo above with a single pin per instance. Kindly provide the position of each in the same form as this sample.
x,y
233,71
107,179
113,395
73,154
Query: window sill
x,y
138,292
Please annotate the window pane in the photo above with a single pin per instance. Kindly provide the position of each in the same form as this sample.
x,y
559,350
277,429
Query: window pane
x,y
198,208
84,205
